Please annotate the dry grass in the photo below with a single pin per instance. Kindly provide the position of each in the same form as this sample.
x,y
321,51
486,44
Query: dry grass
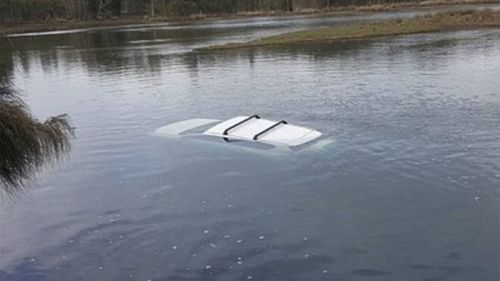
x,y
431,23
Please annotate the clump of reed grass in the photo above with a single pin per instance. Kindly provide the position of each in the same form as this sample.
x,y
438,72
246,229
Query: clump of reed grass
x,y
27,144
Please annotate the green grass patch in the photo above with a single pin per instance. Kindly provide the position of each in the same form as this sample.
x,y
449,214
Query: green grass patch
x,y
468,19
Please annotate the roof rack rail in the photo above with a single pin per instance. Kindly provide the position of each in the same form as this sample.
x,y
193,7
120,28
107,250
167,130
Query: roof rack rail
x,y
256,137
226,132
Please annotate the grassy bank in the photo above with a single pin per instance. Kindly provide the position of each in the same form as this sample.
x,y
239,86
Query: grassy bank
x,y
52,25
430,23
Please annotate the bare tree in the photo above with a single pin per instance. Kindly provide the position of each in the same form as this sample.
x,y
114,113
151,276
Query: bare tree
x,y
152,8
101,6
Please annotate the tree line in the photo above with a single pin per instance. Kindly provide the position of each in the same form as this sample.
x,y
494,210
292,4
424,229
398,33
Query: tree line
x,y
19,10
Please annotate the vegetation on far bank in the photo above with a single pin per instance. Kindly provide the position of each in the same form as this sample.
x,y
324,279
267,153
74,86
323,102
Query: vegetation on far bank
x,y
456,20
22,10
17,16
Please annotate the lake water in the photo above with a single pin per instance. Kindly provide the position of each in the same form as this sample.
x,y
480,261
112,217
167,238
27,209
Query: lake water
x,y
409,190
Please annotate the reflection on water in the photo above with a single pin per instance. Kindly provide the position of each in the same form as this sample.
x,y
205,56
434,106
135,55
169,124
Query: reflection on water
x,y
409,190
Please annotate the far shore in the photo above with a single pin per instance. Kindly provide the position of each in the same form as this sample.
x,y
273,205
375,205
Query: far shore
x,y
444,21
56,25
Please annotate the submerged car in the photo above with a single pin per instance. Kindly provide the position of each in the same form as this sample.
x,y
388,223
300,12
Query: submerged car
x,y
245,130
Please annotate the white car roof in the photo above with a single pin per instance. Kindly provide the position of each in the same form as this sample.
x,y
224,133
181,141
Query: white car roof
x,y
247,128
263,130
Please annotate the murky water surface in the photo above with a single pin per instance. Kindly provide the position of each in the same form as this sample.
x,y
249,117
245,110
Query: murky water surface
x,y
409,189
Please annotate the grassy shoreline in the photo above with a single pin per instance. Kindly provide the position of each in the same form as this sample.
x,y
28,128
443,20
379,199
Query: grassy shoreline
x,y
458,20
23,27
